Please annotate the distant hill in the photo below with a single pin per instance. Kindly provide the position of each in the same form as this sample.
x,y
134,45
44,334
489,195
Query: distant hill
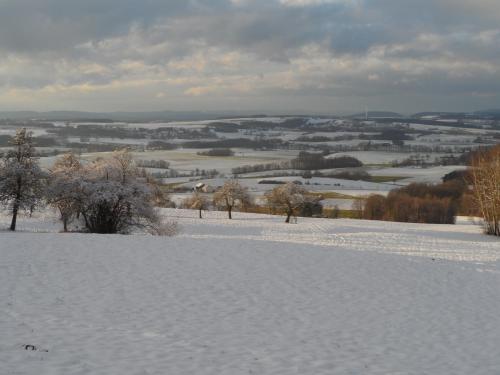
x,y
441,115
376,114
488,112
118,116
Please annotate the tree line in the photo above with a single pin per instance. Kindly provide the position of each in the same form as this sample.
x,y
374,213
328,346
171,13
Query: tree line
x,y
417,203
472,192
308,161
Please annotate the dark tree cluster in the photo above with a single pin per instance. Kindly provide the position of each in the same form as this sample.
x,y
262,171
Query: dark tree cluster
x,y
222,152
276,166
161,145
256,144
313,161
313,139
159,164
417,203
305,161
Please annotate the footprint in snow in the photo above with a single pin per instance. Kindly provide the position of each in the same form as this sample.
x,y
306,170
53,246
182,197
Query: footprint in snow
x,y
33,348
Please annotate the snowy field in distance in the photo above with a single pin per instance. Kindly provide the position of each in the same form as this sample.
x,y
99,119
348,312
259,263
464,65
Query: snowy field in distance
x,y
431,175
251,296
314,184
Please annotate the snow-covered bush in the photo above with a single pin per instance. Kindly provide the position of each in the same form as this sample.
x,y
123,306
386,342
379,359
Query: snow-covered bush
x,y
109,206
169,229
108,195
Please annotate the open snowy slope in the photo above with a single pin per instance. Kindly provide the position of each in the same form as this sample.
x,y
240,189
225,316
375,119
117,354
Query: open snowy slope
x,y
463,242
251,296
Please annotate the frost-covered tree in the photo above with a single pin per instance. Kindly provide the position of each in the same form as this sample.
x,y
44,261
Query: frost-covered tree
x,y
108,195
197,201
64,188
21,179
123,162
288,199
232,195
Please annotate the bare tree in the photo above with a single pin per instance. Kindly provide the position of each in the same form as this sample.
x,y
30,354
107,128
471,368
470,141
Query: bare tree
x,y
374,207
123,163
21,179
197,201
485,174
358,207
231,195
64,188
288,199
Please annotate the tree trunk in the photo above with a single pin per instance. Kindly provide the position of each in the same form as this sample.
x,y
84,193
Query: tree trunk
x,y
288,215
65,225
200,214
87,224
229,209
15,209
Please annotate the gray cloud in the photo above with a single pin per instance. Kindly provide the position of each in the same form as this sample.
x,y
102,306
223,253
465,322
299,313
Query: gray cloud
x,y
206,52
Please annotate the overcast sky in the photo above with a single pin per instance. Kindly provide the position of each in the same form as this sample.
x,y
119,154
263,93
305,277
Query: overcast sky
x,y
326,56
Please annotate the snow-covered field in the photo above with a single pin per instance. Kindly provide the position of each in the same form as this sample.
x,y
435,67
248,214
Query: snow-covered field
x,y
250,296
314,184
431,175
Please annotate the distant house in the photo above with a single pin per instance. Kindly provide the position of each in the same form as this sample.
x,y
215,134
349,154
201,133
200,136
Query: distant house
x,y
201,187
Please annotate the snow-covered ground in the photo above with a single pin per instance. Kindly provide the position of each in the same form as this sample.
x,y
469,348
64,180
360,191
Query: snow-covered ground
x,y
250,296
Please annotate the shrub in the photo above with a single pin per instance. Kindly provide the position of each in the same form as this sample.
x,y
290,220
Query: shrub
x,y
167,229
311,208
109,195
